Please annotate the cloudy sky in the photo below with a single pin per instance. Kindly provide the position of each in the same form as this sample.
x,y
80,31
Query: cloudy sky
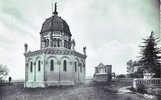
x,y
112,30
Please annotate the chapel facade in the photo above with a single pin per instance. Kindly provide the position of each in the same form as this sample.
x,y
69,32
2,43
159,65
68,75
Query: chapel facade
x,y
57,62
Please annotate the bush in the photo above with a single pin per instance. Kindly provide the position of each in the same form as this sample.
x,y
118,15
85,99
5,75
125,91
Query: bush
x,y
141,88
121,76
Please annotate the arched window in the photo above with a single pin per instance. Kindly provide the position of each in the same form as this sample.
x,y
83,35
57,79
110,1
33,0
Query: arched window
x,y
75,64
51,65
43,43
39,65
30,66
58,42
65,66
47,42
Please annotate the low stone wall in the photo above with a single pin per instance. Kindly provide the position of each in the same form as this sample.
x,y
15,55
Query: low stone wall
x,y
153,82
34,84
102,77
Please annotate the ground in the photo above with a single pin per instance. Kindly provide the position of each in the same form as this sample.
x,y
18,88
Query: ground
x,y
88,91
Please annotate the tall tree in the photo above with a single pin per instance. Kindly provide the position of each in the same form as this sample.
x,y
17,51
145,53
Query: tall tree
x,y
150,55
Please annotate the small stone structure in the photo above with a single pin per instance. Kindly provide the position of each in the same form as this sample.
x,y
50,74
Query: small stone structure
x,y
103,73
148,75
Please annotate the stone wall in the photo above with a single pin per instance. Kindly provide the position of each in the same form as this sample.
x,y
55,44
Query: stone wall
x,y
154,82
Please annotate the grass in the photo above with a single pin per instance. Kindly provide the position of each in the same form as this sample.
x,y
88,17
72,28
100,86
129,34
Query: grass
x,y
90,91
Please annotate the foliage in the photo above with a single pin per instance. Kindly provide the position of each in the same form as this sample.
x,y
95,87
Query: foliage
x,y
3,71
141,88
150,55
135,69
121,76
139,73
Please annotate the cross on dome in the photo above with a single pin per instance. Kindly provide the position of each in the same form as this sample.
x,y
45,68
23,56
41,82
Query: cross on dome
x,y
55,10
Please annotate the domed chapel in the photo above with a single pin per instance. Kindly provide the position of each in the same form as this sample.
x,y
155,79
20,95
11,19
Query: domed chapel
x,y
57,62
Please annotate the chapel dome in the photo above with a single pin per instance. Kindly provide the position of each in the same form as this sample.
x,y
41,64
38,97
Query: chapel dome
x,y
55,23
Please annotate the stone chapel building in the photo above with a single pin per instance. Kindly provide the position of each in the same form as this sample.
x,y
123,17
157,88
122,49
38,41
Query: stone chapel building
x,y
57,62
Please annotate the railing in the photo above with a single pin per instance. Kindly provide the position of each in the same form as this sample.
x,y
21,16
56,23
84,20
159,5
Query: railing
x,y
153,82
4,82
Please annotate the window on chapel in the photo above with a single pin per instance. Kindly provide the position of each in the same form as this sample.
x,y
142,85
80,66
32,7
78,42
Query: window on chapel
x,y
39,65
65,66
51,65
58,42
75,64
47,43
30,66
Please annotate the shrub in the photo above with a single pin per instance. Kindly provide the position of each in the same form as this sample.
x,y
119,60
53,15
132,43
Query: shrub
x,y
121,76
141,88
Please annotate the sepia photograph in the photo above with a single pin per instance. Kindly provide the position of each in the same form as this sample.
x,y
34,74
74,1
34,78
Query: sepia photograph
x,y
80,50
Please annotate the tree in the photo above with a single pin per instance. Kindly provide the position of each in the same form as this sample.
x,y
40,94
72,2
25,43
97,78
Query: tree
x,y
134,69
138,73
150,55
121,76
3,71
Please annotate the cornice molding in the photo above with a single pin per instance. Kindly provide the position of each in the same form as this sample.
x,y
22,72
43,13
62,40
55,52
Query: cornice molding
x,y
55,51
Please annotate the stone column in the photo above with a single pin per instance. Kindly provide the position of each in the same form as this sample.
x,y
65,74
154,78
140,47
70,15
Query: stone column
x,y
26,71
40,42
34,71
63,43
84,69
44,65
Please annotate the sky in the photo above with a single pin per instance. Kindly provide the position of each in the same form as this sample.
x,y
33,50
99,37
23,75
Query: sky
x,y
112,30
